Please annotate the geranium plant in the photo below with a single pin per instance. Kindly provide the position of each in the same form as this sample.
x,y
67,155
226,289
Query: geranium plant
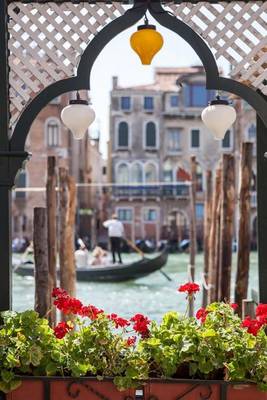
x,y
215,344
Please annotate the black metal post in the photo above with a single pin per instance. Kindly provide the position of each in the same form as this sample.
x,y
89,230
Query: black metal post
x,y
5,188
262,207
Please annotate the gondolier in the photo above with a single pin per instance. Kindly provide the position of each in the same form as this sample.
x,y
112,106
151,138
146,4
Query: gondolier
x,y
115,233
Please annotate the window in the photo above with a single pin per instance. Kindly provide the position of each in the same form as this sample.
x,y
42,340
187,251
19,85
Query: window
x,y
53,133
226,142
199,179
150,173
150,214
252,132
123,134
199,211
151,135
21,183
148,103
195,138
123,174
196,95
174,139
125,214
174,100
104,170
137,173
167,175
126,103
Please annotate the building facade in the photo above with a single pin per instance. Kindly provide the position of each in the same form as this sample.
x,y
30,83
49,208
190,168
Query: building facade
x,y
49,137
154,130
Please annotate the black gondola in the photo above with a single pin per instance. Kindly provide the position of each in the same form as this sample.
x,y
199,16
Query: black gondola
x,y
110,273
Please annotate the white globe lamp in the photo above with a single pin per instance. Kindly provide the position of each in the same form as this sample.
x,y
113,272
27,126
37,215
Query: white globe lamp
x,y
218,117
78,116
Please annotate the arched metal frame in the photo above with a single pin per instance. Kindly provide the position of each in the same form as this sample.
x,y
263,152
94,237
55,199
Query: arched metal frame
x,y
12,153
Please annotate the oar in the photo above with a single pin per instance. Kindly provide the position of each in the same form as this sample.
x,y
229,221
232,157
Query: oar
x,y
142,254
165,275
131,244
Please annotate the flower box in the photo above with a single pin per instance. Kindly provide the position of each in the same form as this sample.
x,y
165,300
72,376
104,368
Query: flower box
x,y
57,388
54,388
175,389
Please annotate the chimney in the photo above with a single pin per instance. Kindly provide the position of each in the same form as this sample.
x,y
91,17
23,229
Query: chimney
x,y
114,82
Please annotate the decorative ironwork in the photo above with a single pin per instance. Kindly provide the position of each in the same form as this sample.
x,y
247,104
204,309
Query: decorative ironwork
x,y
48,38
235,31
202,396
74,391
46,42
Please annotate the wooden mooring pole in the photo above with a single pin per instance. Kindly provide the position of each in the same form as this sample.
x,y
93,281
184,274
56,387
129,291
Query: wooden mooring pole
x,y
67,207
227,221
241,284
42,293
193,244
213,270
207,227
51,205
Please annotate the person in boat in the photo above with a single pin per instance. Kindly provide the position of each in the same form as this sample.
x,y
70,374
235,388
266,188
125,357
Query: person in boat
x,y
81,256
100,257
115,233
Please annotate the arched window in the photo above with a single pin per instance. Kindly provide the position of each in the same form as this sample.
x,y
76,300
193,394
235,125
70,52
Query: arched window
x,y
123,134
150,173
21,182
151,135
137,173
123,173
53,133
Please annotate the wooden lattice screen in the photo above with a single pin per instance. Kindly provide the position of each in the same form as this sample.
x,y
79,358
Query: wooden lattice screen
x,y
47,40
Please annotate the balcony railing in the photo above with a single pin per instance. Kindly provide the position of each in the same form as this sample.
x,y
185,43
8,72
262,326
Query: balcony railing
x,y
167,191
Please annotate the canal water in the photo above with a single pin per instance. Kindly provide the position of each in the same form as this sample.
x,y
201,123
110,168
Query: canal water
x,y
153,295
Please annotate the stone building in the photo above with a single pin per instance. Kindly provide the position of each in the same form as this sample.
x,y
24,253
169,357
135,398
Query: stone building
x,y
154,129
48,136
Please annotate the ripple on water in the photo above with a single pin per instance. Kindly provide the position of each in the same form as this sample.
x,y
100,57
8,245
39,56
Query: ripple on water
x,y
152,295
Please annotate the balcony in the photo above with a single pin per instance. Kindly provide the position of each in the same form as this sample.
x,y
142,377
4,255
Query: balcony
x,y
170,190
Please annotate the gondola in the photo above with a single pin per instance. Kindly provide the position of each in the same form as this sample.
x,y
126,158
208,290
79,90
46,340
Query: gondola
x,y
110,273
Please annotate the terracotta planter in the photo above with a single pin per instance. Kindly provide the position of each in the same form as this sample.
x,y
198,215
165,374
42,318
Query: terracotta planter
x,y
175,389
67,389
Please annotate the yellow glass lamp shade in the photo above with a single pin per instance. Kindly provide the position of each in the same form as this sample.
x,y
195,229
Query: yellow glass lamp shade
x,y
146,42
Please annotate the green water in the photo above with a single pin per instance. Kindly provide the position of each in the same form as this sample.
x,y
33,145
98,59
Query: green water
x,y
152,295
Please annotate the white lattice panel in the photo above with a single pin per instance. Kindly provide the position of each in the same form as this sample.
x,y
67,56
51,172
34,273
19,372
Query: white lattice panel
x,y
235,31
46,41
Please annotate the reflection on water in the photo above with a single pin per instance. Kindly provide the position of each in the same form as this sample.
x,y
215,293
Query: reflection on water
x,y
152,295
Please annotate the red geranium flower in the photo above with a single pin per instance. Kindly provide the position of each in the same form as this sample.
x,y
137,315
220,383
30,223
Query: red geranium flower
x,y
62,329
56,292
202,314
131,340
118,321
68,305
141,325
261,310
90,311
190,288
234,306
253,325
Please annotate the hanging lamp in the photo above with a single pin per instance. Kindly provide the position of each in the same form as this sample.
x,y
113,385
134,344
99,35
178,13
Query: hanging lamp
x,y
78,116
146,42
218,116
